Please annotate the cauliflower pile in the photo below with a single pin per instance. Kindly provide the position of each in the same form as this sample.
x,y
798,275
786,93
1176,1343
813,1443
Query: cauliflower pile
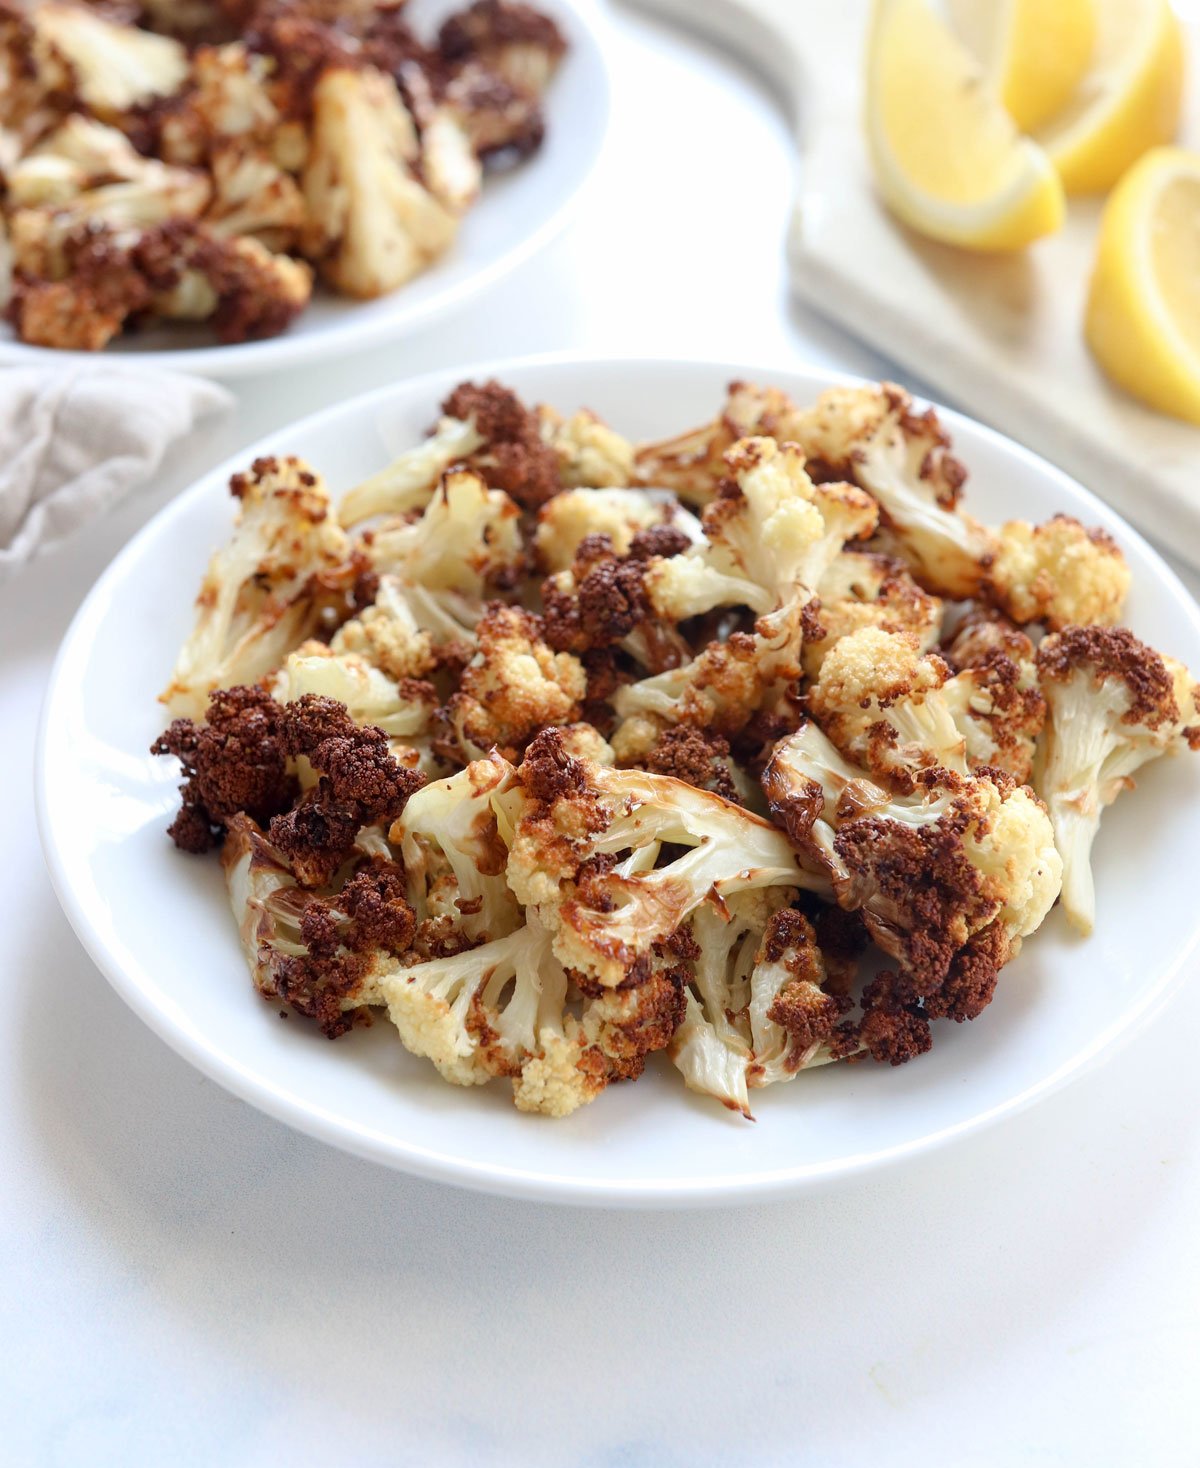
x,y
207,161
750,747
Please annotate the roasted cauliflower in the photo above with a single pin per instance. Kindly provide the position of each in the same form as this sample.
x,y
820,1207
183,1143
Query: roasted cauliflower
x,y
514,751
1114,704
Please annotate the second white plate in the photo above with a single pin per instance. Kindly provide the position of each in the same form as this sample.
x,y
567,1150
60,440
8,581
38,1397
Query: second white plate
x,y
517,213
158,925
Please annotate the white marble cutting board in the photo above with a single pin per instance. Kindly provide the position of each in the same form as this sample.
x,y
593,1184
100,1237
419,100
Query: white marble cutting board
x,y
999,336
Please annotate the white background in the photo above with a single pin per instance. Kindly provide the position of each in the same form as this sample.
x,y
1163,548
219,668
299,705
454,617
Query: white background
x,y
183,1281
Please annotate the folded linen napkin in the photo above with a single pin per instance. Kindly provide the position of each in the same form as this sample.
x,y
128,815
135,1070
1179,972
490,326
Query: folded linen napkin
x,y
76,440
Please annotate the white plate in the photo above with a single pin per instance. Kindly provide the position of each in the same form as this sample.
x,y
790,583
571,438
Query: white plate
x,y
517,213
157,924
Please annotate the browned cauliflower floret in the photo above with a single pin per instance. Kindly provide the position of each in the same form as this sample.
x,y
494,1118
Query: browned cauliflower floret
x,y
1114,705
513,686
372,224
502,122
286,566
454,856
757,1009
1059,574
234,762
228,101
601,603
402,708
507,1009
693,463
874,437
585,840
896,712
949,878
323,953
865,589
483,425
620,514
84,310
519,43
236,283
982,632
591,455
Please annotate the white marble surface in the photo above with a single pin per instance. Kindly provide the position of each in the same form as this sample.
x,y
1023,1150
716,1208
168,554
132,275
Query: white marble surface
x,y
183,1281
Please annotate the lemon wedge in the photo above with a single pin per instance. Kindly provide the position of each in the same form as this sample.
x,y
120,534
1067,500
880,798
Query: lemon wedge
x,y
1034,52
948,159
1129,99
1143,313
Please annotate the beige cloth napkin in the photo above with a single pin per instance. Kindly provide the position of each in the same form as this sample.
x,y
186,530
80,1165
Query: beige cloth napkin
x,y
76,440
1000,336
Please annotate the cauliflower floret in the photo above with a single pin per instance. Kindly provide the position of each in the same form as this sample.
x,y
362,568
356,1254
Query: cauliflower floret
x,y
228,100
484,426
86,309
878,699
949,878
1114,704
516,41
1059,574
440,1009
571,818
253,196
449,165
400,709
896,712
503,123
113,67
719,690
467,538
82,154
454,855
387,635
873,436
408,482
85,176
513,686
328,953
584,741
32,97
236,283
765,543
591,455
286,566
982,632
693,463
864,589
999,710
371,224
620,514
757,1013
502,1010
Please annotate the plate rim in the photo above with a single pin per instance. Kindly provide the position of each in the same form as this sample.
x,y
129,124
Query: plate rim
x,y
403,1154
345,337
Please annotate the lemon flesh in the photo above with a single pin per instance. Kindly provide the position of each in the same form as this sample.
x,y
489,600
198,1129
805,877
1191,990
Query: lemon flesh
x,y
948,160
1129,99
1034,52
1143,313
